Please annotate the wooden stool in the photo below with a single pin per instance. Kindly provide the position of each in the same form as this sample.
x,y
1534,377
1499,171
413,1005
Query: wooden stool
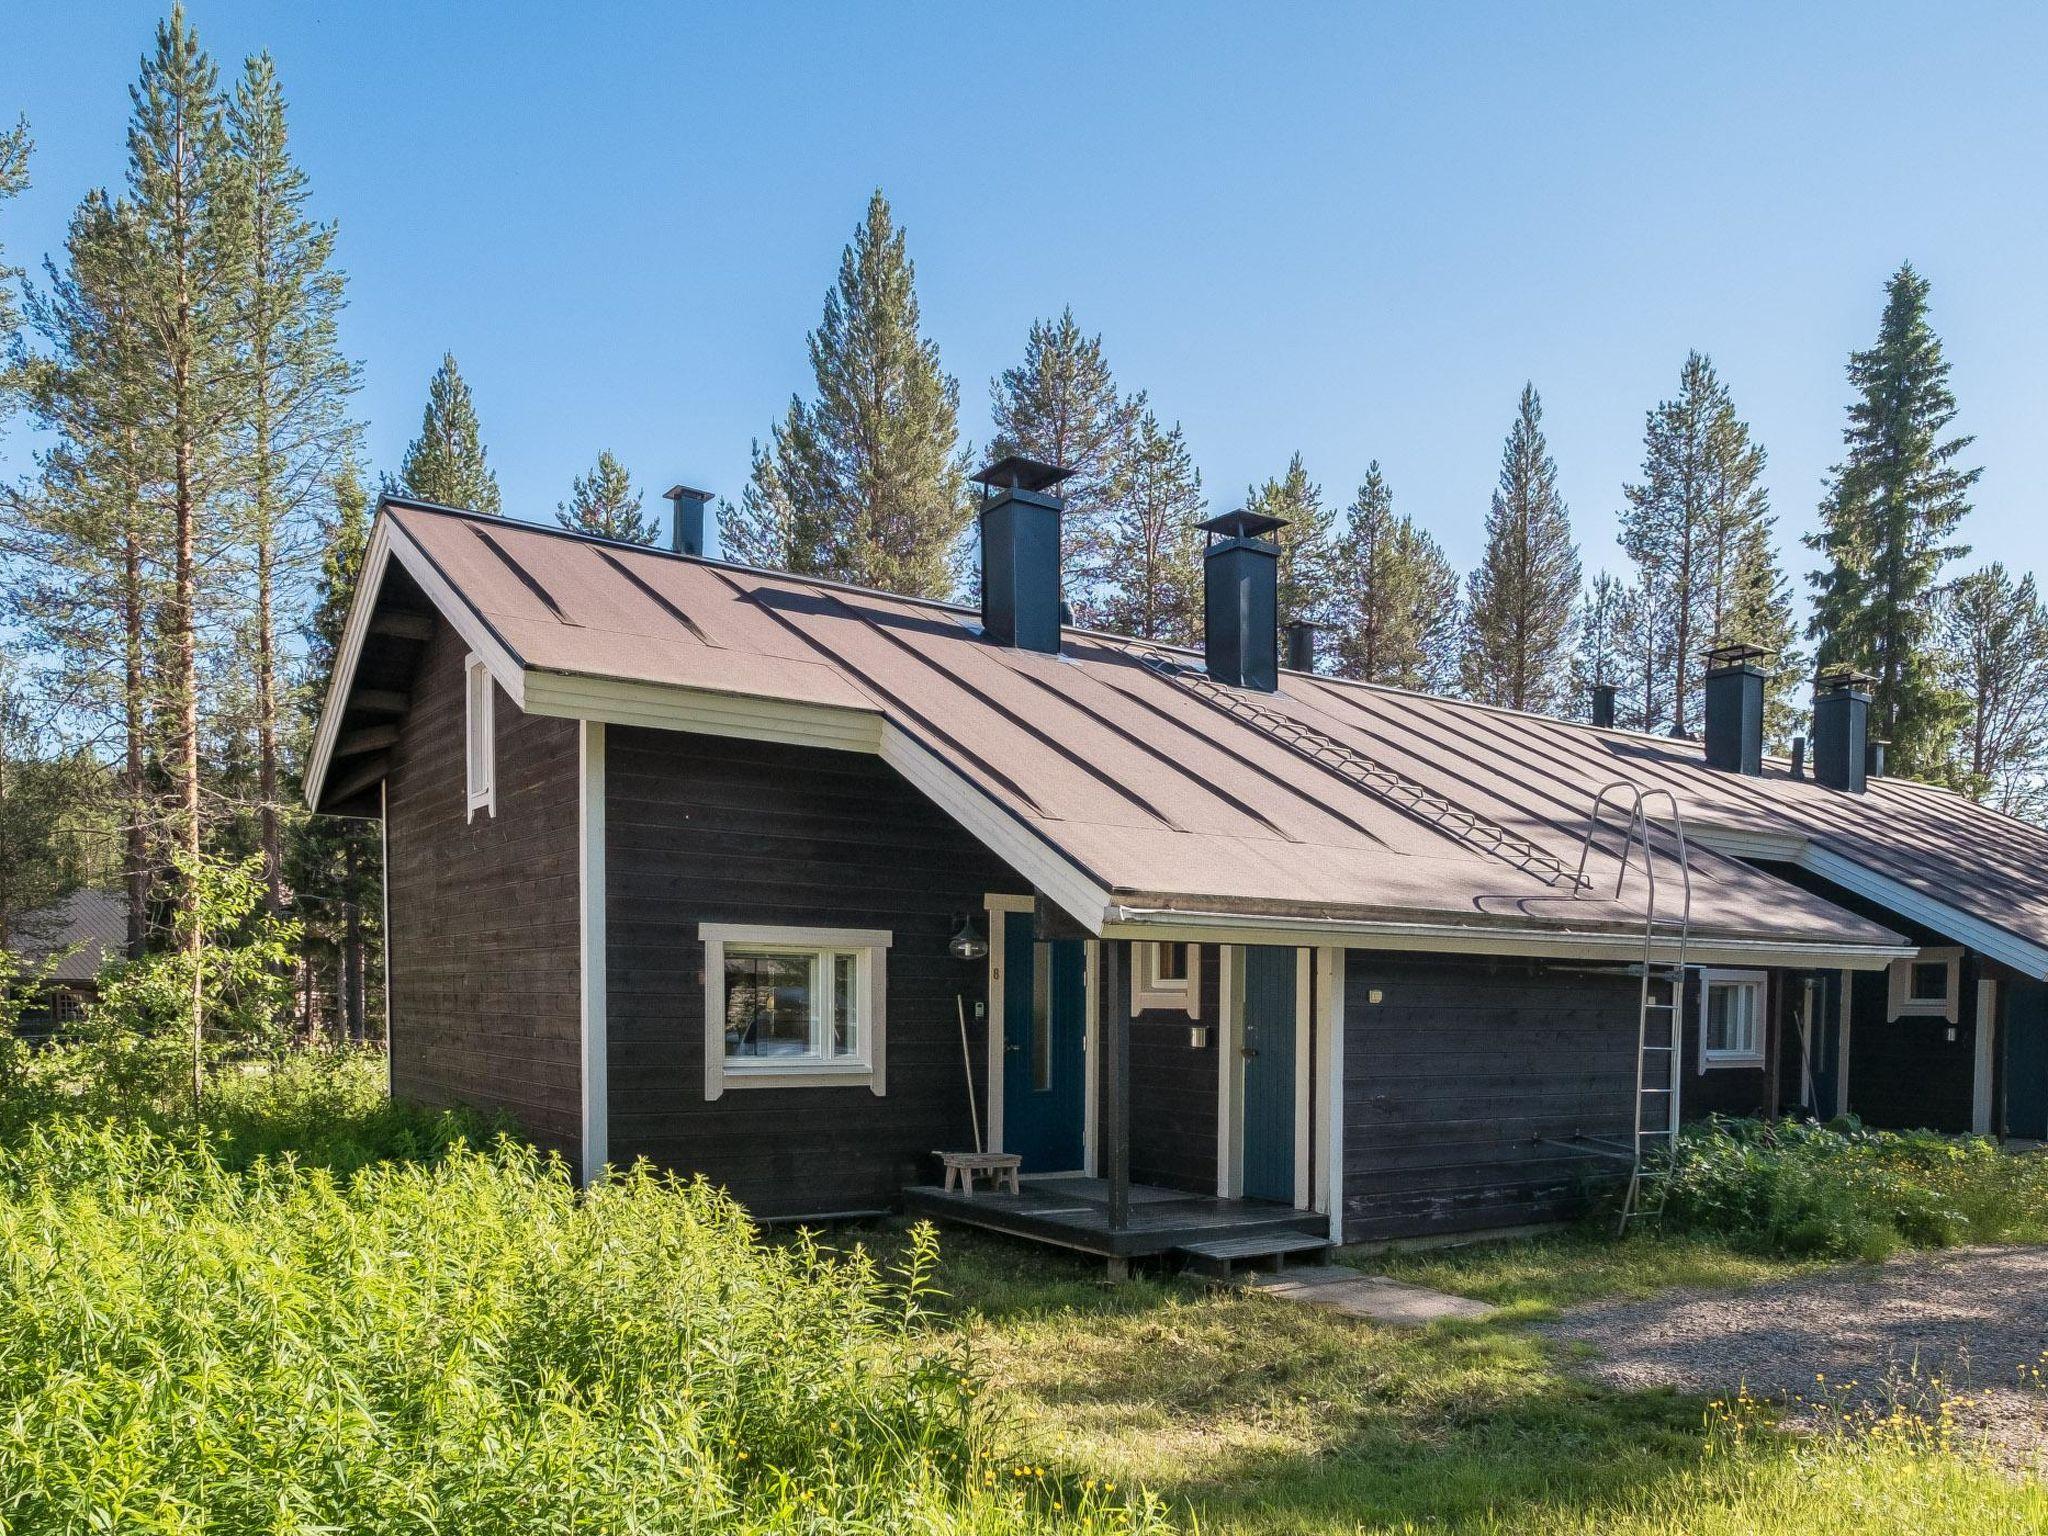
x,y
961,1167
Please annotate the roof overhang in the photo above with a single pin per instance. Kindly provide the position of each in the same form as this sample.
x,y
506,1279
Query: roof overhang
x,y
1803,852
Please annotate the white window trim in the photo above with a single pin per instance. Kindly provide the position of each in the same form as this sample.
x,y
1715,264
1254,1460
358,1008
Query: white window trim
x,y
869,1071
1149,990
1711,1061
479,738
1902,1003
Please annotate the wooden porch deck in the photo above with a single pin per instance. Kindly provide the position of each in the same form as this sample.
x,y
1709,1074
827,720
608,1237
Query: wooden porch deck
x,y
1074,1213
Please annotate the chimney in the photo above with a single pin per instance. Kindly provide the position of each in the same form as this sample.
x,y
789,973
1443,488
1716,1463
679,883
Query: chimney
x,y
686,527
1241,600
1603,705
1841,722
1873,757
1735,708
1798,757
1020,553
1300,638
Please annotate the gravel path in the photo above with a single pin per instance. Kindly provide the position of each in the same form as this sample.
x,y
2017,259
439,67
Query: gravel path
x,y
1977,1317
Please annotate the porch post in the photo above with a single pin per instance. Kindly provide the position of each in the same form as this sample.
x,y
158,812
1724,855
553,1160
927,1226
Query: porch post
x,y
1116,1099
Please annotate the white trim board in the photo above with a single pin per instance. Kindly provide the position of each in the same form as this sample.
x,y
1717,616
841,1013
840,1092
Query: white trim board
x,y
591,908
1981,1074
1330,986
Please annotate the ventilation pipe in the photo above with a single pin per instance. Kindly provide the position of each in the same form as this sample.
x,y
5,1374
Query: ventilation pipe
x,y
1299,642
1735,708
1798,757
1241,600
1020,553
1603,705
686,526
1841,726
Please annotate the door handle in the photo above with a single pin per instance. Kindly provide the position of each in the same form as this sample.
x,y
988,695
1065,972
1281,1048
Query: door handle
x,y
1248,1052
1013,1050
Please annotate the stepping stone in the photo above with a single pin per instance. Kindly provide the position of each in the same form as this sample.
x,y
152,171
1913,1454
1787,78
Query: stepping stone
x,y
1335,1288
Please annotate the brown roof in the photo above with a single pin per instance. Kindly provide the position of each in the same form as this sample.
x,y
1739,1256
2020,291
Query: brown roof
x,y
87,927
1149,795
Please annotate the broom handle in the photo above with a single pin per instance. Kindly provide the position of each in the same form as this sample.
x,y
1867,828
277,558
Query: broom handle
x,y
967,1059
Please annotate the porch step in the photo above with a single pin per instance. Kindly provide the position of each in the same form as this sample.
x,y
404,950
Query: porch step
x,y
1216,1256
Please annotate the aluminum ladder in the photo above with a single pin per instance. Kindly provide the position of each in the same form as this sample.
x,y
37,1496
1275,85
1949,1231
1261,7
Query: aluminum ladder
x,y
1660,1004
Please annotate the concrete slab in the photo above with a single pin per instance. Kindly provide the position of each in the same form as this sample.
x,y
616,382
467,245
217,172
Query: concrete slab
x,y
1373,1297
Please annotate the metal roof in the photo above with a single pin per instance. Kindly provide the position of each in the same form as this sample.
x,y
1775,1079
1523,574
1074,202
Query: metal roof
x,y
1150,797
92,924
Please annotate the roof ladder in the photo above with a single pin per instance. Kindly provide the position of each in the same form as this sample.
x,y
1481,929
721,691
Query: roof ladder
x,y
1403,793
1660,1003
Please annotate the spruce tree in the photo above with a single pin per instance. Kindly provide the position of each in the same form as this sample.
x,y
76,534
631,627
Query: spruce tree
x,y
1521,598
1604,654
1397,608
1153,549
604,502
298,427
867,482
1061,406
1308,573
1758,611
1994,644
446,463
1895,500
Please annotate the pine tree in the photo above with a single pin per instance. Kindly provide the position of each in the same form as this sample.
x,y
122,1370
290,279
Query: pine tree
x,y
1994,643
604,502
1061,406
1896,498
867,483
1758,611
446,463
1397,608
298,427
1604,655
1308,572
1688,526
15,146
1521,598
1152,547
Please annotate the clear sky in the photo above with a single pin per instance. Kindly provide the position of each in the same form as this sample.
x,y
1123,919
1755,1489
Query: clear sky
x,y
1349,231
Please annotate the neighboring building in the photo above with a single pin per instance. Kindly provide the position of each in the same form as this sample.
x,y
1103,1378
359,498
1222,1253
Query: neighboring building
x,y
86,929
679,854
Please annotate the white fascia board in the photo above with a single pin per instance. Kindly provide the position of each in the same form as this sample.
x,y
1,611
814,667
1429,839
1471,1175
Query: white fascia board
x,y
2007,948
1463,939
1749,842
389,542
701,711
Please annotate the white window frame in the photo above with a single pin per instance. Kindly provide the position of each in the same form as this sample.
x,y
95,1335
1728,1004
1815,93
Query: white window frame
x,y
1904,1005
867,1069
1150,990
1712,1060
479,738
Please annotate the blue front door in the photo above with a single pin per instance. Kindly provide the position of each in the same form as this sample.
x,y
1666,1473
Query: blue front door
x,y
1045,1002
1824,1047
2026,1061
1268,1045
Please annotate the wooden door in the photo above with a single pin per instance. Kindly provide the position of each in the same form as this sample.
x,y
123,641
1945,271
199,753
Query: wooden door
x,y
1268,1044
1045,1000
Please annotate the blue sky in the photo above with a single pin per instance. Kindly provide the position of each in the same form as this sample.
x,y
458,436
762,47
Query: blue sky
x,y
1352,232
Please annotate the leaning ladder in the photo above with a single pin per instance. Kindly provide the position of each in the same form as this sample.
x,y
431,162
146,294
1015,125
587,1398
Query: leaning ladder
x,y
1660,1015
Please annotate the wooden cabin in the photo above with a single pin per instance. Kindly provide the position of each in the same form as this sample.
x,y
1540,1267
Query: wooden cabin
x,y
798,885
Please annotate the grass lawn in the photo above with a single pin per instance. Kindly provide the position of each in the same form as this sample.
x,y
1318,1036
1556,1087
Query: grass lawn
x,y
1253,1415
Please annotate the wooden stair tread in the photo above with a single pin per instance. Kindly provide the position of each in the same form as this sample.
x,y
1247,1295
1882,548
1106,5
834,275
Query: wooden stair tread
x,y
1260,1245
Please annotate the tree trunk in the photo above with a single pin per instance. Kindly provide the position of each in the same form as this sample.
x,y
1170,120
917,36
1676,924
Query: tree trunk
x,y
135,722
352,952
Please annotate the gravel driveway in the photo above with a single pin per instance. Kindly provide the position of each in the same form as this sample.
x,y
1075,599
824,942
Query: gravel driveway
x,y
1977,1317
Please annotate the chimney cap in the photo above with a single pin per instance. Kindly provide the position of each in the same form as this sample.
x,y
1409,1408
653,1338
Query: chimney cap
x,y
1014,472
684,493
1242,524
1842,679
1738,654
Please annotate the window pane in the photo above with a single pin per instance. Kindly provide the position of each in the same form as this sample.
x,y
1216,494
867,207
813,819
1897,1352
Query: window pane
x,y
1041,1018
1173,962
846,1005
1731,1017
768,1004
1930,981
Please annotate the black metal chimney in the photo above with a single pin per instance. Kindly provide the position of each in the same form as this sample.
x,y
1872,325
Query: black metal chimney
x,y
1300,644
1798,757
1841,727
1735,708
686,527
1603,705
1241,600
1020,553
1873,757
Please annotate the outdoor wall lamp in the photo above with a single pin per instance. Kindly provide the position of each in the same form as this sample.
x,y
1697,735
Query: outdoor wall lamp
x,y
967,942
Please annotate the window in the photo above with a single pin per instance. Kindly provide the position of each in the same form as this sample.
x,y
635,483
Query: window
x,y
1166,976
480,746
1731,1019
792,1007
1928,986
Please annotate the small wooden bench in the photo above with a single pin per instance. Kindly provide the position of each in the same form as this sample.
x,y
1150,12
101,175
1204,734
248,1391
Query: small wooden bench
x,y
961,1167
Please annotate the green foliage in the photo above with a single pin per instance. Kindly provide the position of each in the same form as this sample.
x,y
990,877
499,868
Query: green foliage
x,y
604,502
1841,1191
15,146
1994,645
1396,607
1309,581
1897,498
1151,549
446,463
1520,607
867,482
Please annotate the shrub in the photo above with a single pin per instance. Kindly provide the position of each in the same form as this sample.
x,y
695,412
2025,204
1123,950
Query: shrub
x,y
1842,1191
465,1345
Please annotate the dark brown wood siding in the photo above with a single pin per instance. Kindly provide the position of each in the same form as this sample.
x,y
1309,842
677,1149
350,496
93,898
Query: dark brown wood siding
x,y
484,939
1173,1090
1912,1073
703,829
1451,1076
1727,1090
